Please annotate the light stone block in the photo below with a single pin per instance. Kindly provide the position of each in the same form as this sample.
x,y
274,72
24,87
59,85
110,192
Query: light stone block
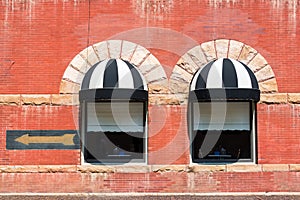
x,y
36,99
169,168
188,64
132,169
149,64
275,167
247,54
235,48
160,87
114,48
295,167
222,48
140,54
67,87
156,75
80,64
276,98
243,168
268,86
90,55
164,99
128,49
65,99
264,74
197,56
257,63
101,49
73,75
95,169
10,99
209,51
181,74
179,87
56,169
294,98
205,168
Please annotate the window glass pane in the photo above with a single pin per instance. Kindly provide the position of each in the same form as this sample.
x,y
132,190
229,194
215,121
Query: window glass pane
x,y
115,117
221,116
115,132
227,146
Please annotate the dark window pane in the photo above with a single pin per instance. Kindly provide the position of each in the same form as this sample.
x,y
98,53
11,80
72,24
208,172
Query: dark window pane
x,y
221,146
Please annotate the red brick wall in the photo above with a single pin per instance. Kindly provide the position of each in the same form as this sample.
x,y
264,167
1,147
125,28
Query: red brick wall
x,y
38,41
278,133
38,44
150,182
36,118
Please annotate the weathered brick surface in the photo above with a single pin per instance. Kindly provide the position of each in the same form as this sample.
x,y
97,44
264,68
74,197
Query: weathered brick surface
x,y
47,46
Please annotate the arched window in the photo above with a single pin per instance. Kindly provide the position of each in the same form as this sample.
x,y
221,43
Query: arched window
x,y
222,112
113,109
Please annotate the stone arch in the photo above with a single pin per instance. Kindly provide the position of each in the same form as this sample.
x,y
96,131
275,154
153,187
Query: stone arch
x,y
148,65
200,55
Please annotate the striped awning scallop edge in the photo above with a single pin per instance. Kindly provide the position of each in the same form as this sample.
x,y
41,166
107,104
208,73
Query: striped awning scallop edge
x,y
225,79
113,79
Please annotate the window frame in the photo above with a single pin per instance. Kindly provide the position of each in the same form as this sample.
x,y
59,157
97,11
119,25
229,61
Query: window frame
x,y
83,131
253,134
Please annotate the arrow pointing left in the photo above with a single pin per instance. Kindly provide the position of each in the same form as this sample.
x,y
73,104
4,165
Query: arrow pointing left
x,y
66,139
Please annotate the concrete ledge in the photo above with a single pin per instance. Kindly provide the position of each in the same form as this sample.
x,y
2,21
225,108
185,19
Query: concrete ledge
x,y
157,97
169,168
193,168
294,167
210,168
275,167
244,168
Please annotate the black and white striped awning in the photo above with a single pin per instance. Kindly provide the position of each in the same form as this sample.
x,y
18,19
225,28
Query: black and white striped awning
x,y
113,79
225,79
